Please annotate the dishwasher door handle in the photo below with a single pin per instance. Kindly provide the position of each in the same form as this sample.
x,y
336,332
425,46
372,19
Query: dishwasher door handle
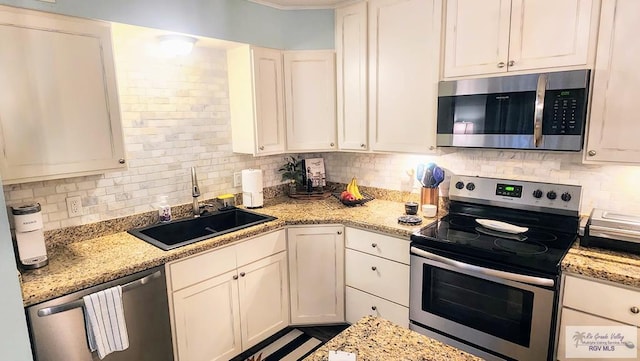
x,y
80,303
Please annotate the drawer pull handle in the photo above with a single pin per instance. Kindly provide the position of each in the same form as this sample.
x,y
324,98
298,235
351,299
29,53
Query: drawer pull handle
x,y
235,277
373,268
374,245
242,274
634,310
339,232
373,308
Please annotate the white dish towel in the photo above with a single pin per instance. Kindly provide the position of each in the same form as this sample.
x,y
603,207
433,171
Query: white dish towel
x,y
104,317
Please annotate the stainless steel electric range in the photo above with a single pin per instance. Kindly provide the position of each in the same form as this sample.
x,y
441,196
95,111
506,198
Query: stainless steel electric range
x,y
485,277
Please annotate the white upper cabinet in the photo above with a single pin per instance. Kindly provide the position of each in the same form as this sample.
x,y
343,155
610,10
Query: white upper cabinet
x,y
496,36
59,110
404,53
310,97
351,65
614,128
256,100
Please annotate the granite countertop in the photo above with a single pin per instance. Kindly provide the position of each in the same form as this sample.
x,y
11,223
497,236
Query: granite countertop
x,y
376,339
619,267
77,265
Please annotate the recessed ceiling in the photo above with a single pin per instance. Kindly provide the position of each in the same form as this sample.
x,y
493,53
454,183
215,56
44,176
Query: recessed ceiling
x,y
303,4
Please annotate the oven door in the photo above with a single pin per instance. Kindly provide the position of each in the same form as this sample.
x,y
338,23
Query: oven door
x,y
492,311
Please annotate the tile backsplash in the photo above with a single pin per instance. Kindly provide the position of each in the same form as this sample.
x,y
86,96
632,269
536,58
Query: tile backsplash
x,y
175,115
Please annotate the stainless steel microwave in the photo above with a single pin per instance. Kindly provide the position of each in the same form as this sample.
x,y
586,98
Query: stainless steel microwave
x,y
544,111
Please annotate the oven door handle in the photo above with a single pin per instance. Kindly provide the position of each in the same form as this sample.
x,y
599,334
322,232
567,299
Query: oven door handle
x,y
485,271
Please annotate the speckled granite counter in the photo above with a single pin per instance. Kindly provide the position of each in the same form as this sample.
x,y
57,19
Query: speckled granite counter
x,y
619,267
376,339
77,265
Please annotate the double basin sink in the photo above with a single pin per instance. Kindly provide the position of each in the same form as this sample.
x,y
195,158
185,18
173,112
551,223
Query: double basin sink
x,y
182,232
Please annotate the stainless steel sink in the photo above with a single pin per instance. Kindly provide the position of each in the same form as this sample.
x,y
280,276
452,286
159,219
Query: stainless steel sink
x,y
182,232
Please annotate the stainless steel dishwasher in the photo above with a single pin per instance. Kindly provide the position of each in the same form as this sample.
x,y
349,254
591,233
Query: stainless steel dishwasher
x,y
58,333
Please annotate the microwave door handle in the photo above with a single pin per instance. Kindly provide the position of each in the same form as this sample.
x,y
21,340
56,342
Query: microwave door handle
x,y
485,271
541,90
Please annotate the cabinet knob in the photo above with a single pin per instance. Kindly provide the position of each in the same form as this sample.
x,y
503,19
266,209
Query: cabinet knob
x,y
374,245
592,153
373,308
373,268
501,64
242,274
261,147
332,144
511,63
363,145
235,277
431,147
121,161
339,232
634,310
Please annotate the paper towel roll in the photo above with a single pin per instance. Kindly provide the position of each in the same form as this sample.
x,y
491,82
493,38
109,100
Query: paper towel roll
x,y
252,195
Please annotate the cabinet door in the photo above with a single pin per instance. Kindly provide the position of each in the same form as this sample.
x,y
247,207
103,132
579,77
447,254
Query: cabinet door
x,y
613,126
549,33
207,320
571,317
256,100
316,259
351,64
264,298
269,101
476,37
310,100
404,53
59,112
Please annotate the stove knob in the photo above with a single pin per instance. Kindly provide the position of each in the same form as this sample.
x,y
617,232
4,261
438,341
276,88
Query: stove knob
x,y
537,193
471,186
551,195
565,196
459,185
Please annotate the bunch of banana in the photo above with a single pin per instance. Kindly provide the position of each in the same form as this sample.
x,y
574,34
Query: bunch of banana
x,y
352,188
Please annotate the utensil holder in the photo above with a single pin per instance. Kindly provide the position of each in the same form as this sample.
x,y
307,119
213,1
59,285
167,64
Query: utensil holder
x,y
429,196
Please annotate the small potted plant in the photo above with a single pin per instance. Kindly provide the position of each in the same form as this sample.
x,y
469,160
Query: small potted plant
x,y
292,172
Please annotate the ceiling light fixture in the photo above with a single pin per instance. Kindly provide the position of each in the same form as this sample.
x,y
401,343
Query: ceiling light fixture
x,y
176,45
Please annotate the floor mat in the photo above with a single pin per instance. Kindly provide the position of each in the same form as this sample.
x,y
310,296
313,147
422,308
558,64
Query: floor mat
x,y
292,346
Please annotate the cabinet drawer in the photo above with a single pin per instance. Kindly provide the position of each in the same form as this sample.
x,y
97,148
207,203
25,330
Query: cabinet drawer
x,y
570,317
378,276
396,249
360,304
578,294
201,267
261,247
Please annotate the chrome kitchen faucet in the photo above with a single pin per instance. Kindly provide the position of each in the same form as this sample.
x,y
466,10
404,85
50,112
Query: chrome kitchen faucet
x,y
195,192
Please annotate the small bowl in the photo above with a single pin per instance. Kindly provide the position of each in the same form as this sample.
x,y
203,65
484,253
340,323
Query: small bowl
x,y
411,208
429,210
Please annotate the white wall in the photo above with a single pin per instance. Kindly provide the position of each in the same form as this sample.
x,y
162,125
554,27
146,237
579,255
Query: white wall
x,y
14,340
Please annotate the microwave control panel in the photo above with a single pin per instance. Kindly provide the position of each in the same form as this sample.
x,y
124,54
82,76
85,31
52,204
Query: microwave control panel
x,y
564,112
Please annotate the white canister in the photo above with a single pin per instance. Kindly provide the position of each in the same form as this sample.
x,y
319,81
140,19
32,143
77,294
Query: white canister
x,y
252,194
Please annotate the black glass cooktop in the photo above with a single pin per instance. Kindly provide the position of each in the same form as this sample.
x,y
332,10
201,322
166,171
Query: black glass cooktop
x,y
539,250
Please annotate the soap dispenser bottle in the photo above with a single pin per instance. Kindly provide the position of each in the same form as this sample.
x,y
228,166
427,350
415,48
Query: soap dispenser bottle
x,y
164,210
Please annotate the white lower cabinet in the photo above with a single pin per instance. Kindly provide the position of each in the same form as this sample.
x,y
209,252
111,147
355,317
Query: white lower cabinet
x,y
376,276
316,260
360,304
225,301
590,302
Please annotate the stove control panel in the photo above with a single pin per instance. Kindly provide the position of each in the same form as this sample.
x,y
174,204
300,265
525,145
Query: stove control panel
x,y
536,196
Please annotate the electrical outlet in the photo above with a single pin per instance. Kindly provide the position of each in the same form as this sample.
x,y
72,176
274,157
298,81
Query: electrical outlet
x,y
237,179
74,206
